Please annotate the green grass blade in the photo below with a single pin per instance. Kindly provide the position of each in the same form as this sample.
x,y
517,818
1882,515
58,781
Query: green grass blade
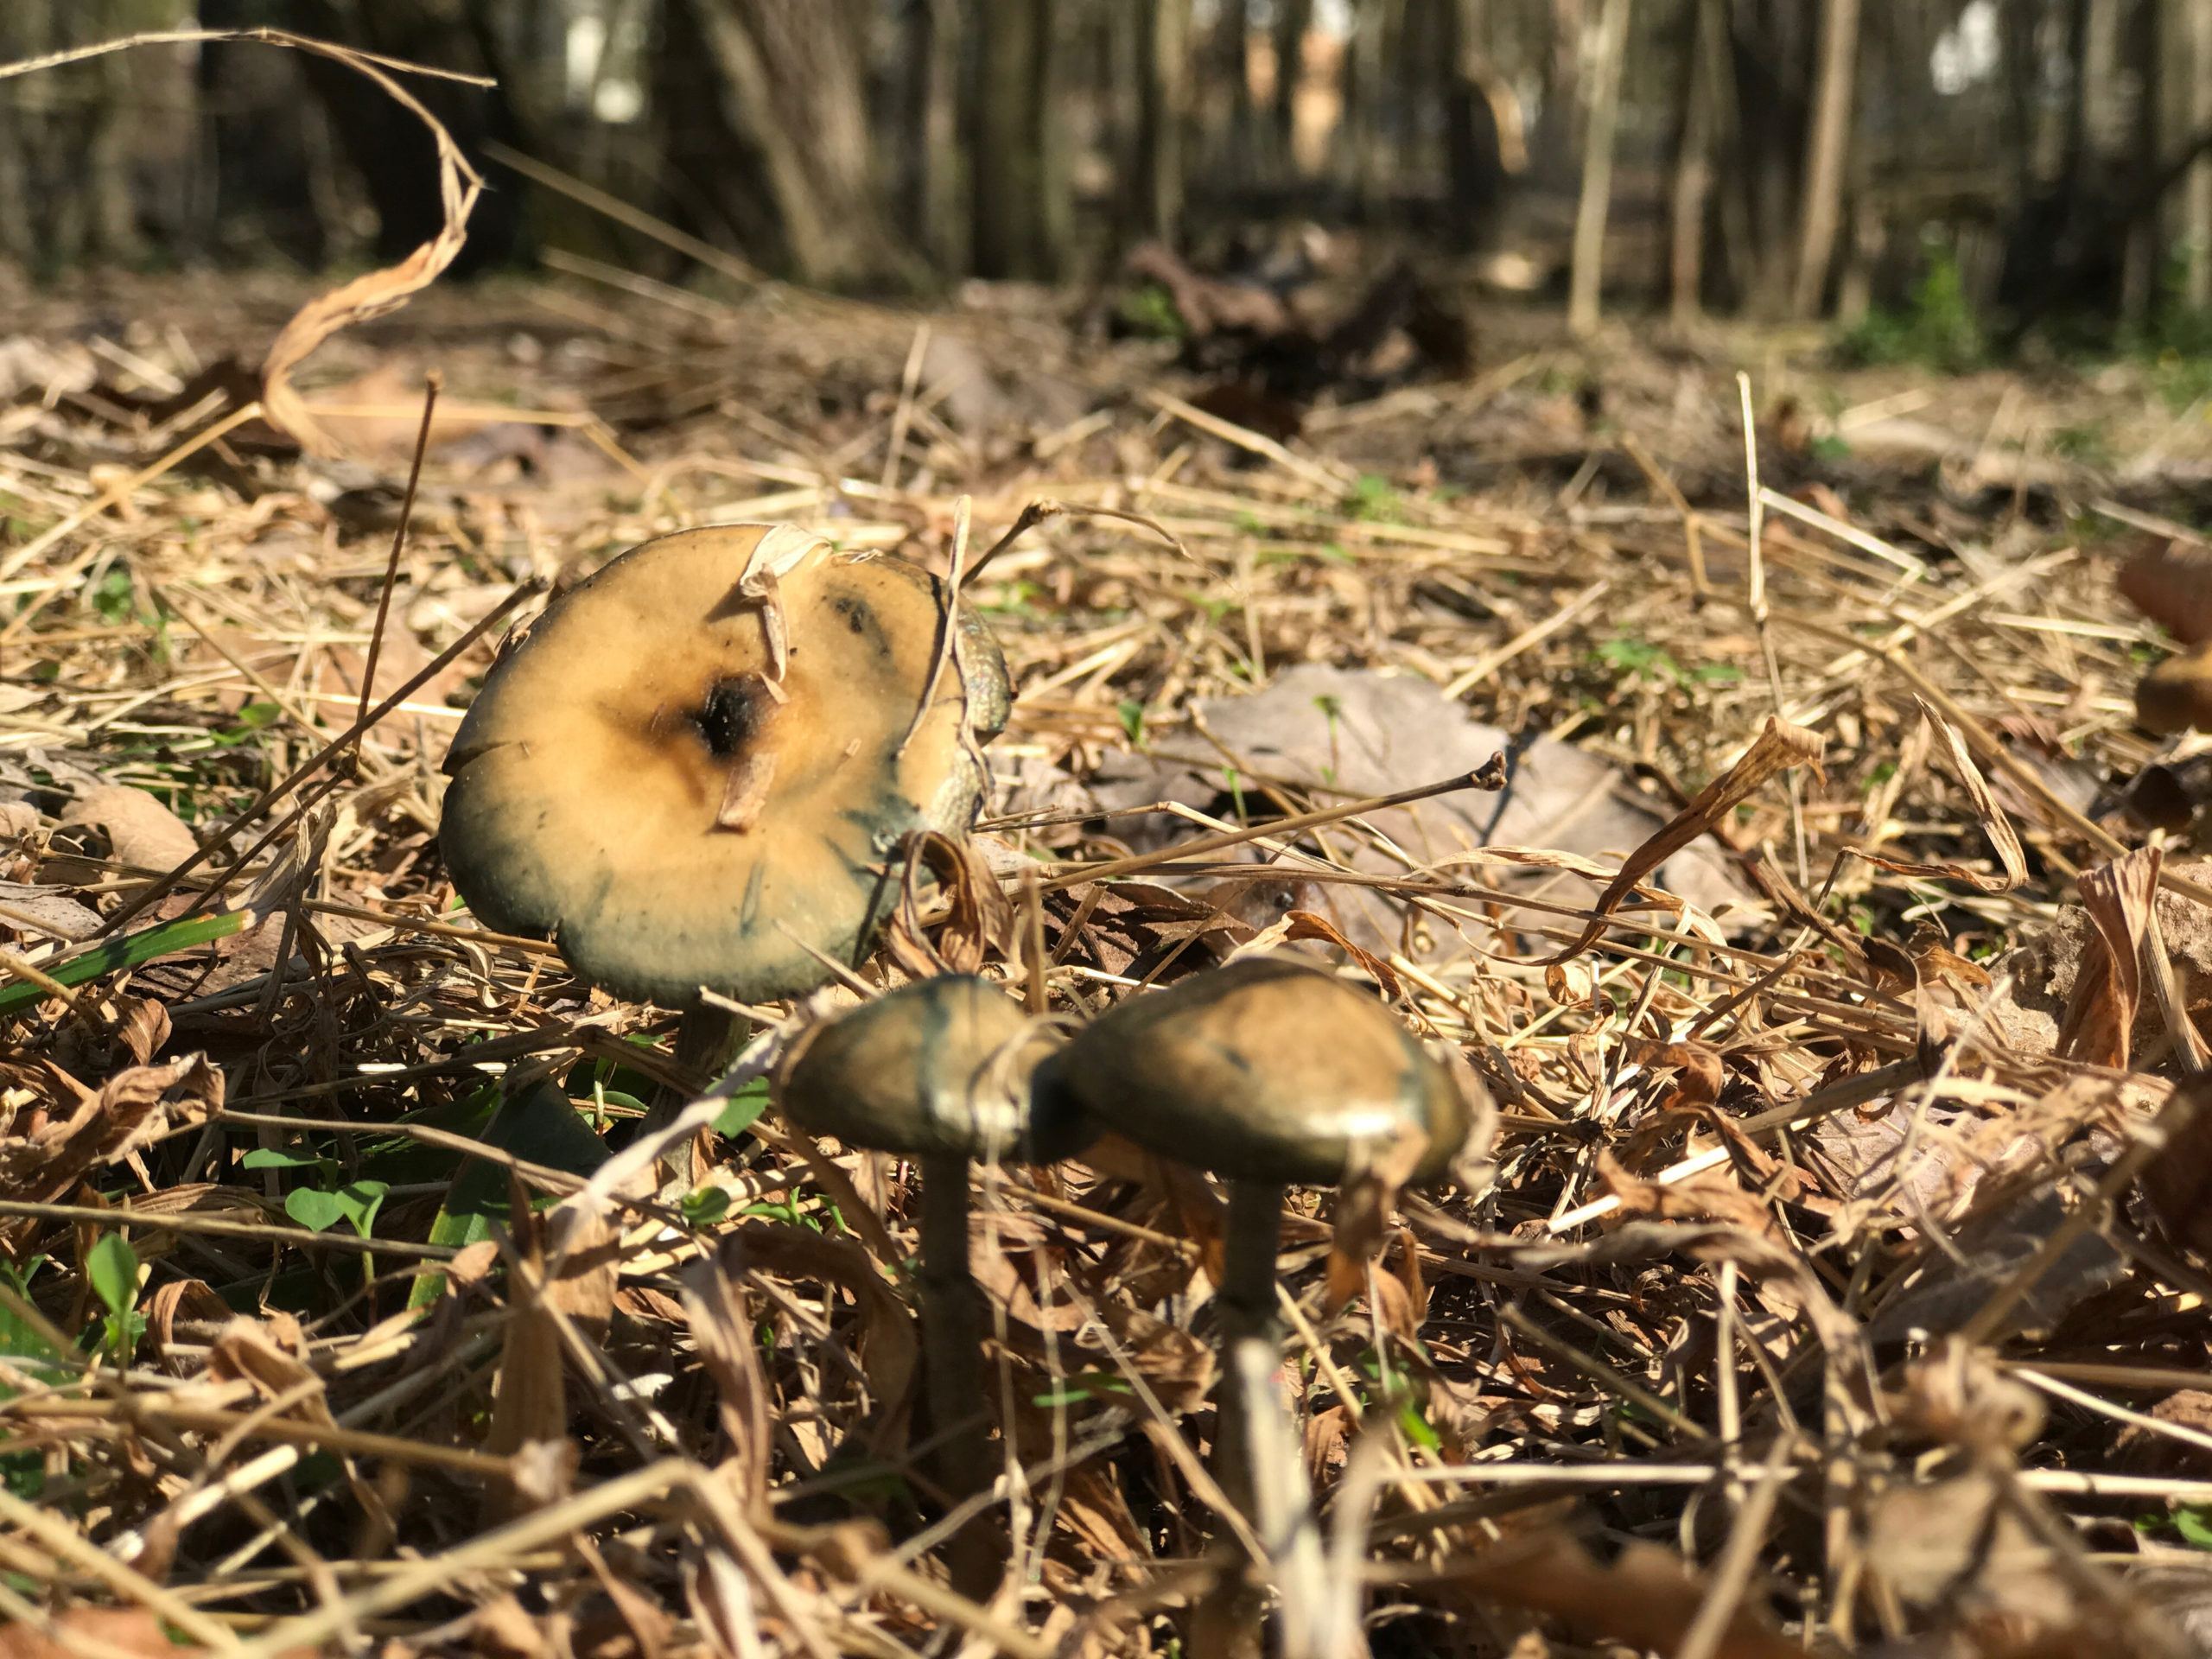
x,y
130,951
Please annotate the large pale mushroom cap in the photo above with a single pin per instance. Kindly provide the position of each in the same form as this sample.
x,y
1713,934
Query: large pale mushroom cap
x,y
943,1065
637,783
1262,1071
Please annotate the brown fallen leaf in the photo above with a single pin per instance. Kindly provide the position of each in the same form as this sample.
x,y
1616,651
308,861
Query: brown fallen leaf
x,y
140,830
128,1111
723,1326
1780,747
181,1299
1700,1197
529,1405
116,1630
1647,1597
981,916
378,415
2099,1020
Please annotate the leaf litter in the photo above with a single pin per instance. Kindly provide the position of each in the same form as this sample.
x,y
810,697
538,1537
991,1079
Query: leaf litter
x,y
1834,1281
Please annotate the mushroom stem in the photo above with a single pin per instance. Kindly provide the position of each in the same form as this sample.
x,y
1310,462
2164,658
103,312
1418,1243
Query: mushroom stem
x,y
1228,1621
952,1365
1247,1298
707,1038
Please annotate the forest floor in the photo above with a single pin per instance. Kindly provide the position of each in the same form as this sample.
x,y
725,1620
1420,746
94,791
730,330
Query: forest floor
x,y
1811,1294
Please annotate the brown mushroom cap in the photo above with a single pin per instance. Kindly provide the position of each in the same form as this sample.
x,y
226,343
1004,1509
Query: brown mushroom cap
x,y
2172,585
943,1065
634,783
2177,694
1261,1071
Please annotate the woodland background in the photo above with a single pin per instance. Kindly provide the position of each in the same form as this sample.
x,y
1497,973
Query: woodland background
x,y
2043,161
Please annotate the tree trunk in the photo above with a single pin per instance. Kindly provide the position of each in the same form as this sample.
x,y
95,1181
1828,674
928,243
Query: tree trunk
x,y
1019,203
1166,50
1693,180
1831,139
1475,145
1371,104
2139,279
1589,255
1229,63
933,168
2199,209
1293,20
793,85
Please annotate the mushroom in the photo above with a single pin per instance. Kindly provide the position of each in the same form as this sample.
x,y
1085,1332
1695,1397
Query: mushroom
x,y
1269,1074
938,1070
2177,695
692,771
2172,584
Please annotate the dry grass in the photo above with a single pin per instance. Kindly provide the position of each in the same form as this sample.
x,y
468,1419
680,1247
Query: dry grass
x,y
1736,1166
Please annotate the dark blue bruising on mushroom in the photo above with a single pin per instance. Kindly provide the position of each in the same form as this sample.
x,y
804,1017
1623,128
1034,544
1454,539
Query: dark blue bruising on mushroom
x,y
749,912
860,617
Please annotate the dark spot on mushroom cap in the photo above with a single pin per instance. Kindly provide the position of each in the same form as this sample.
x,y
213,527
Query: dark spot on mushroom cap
x,y
732,716
943,1065
1263,1070
589,776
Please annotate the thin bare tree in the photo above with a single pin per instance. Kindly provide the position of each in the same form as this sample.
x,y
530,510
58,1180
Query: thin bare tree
x,y
1834,91
794,87
2197,213
1589,256
1019,202
1166,66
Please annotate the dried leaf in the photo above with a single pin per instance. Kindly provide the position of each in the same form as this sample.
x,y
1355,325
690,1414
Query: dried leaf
x,y
378,292
181,1299
2100,1019
131,1110
1955,1542
889,1345
1365,1200
722,1325
267,1355
1700,1197
119,1629
981,919
530,1404
1780,747
140,830
1647,1597
1994,823
500,1629
1306,925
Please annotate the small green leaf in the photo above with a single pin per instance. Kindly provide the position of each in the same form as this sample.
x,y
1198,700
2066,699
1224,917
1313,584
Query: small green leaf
x,y
113,1266
703,1206
1131,714
313,1208
273,1158
2192,1523
744,1109
1416,1428
317,1211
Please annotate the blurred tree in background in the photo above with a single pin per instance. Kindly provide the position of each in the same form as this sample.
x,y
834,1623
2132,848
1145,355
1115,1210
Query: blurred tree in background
x,y
1764,157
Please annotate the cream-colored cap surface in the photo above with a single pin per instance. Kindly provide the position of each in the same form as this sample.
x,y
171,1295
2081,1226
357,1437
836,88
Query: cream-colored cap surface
x,y
637,783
